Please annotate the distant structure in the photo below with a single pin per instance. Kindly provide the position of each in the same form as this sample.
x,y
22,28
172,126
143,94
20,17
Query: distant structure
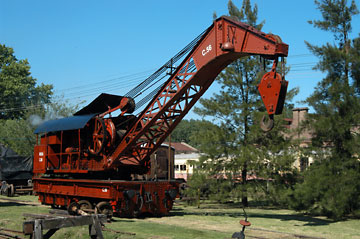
x,y
299,115
185,155
15,172
160,164
304,136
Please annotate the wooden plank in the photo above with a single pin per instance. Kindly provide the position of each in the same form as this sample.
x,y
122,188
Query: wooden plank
x,y
10,230
7,235
23,190
58,211
38,216
97,226
52,223
61,222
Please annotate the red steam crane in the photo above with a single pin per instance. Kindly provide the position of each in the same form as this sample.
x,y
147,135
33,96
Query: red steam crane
x,y
90,159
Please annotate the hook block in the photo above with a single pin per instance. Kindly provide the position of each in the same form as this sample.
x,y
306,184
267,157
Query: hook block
x,y
272,89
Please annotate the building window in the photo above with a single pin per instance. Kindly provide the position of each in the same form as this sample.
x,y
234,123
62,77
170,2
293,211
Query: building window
x,y
177,167
183,167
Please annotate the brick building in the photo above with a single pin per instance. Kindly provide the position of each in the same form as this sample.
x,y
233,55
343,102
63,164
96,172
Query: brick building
x,y
303,136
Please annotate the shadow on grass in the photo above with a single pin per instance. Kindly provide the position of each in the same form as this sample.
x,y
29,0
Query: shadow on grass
x,y
231,205
116,219
310,221
9,204
202,211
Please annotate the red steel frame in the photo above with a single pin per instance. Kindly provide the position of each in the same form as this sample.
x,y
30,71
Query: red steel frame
x,y
224,42
151,197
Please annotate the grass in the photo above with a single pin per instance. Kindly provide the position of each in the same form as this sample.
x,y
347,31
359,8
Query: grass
x,y
208,221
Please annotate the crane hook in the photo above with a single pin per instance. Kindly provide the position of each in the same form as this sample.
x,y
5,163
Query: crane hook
x,y
245,223
267,122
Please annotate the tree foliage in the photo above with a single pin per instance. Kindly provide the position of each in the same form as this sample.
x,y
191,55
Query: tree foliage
x,y
23,104
185,132
18,134
235,148
18,89
331,186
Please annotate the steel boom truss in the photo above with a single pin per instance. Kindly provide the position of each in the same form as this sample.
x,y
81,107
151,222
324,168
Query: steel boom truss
x,y
223,42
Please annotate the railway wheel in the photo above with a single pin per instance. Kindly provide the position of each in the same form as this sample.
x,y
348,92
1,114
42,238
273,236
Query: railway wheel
x,y
84,205
3,188
104,208
11,190
73,208
4,191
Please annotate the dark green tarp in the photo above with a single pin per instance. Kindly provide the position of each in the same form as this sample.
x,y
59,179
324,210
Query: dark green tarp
x,y
13,166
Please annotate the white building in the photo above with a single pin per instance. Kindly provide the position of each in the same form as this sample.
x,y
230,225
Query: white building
x,y
184,156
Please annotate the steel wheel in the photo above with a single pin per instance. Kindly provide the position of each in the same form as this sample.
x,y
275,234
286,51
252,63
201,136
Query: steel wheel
x,y
11,190
84,204
98,137
73,208
104,208
3,188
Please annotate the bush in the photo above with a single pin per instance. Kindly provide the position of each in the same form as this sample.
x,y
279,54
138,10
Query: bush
x,y
330,188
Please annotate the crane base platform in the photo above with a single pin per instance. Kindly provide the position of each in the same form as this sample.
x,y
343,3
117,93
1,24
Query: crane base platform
x,y
109,197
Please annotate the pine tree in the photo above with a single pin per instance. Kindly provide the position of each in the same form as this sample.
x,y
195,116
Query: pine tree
x,y
233,143
331,186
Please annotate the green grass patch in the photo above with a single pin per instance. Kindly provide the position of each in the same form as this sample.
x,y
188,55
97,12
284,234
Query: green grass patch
x,y
209,221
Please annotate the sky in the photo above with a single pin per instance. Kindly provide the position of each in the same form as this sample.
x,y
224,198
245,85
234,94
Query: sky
x,y
87,47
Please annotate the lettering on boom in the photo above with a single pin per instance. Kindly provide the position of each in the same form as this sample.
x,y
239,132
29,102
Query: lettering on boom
x,y
206,50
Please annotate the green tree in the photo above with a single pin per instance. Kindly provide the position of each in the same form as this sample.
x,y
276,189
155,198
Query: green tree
x,y
23,104
234,146
18,88
18,134
185,132
332,185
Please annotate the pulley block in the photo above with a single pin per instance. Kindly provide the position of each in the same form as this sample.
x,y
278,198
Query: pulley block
x,y
272,89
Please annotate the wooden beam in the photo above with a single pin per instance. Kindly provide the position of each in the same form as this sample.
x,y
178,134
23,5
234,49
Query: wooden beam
x,y
52,223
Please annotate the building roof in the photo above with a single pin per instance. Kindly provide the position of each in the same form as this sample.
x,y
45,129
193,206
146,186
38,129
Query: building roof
x,y
301,109
191,156
182,148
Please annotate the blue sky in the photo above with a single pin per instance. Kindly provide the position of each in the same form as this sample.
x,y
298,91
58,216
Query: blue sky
x,y
88,47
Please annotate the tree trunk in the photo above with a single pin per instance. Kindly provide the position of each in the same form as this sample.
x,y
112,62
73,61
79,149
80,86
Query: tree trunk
x,y
244,198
